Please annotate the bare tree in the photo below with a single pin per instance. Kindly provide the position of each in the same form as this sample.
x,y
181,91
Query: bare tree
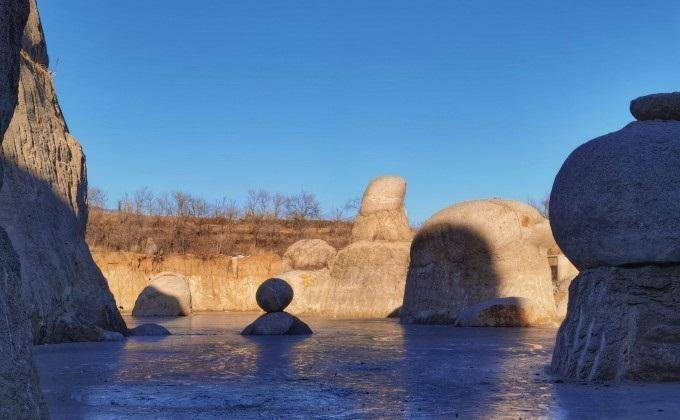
x,y
543,206
226,208
96,198
303,206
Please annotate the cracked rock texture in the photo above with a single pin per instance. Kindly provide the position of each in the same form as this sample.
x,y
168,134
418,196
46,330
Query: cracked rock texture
x,y
622,323
475,251
20,395
42,208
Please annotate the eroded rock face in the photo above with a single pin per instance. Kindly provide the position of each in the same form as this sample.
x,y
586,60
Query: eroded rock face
x,y
381,216
167,294
622,323
42,207
308,254
659,106
476,251
615,200
20,395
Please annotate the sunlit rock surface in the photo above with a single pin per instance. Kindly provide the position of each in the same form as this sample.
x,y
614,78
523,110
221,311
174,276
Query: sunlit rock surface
x,y
475,251
167,294
348,369
42,208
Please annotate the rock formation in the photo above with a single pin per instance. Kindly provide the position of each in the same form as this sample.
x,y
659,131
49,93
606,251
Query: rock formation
x,y
167,294
381,216
614,209
149,330
20,395
474,252
308,254
42,208
273,296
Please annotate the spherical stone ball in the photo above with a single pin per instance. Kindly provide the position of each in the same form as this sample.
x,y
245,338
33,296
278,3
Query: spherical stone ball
x,y
274,295
616,199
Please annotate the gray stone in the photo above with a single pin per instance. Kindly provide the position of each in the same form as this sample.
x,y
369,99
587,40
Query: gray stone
x,y
167,294
277,323
274,295
112,336
616,199
149,330
658,106
622,323
475,251
504,312
42,206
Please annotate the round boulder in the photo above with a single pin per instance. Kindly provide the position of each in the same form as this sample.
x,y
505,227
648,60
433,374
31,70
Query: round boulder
x,y
475,251
659,106
167,294
149,330
308,254
384,193
616,199
274,295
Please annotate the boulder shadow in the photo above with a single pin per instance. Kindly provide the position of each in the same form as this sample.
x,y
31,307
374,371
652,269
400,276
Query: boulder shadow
x,y
152,302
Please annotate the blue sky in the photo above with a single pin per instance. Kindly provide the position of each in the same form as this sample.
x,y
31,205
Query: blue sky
x,y
464,99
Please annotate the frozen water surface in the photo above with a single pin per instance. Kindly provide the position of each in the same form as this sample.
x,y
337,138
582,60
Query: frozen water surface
x,y
348,369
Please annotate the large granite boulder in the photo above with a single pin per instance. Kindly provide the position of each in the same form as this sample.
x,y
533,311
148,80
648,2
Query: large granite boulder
x,y
622,323
475,251
381,216
42,207
614,201
658,106
614,209
308,254
167,294
274,295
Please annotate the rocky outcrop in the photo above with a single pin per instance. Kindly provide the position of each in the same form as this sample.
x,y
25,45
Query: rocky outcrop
x,y
504,312
381,216
659,106
614,208
475,251
20,395
273,296
308,254
167,294
42,208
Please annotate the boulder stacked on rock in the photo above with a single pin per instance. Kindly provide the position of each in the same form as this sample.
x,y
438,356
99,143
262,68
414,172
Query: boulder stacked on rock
x,y
614,212
381,216
167,294
273,296
468,255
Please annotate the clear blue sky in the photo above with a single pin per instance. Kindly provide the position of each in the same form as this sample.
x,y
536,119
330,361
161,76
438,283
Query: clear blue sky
x,y
464,99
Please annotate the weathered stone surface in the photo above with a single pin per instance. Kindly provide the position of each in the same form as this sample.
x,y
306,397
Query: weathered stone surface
x,y
381,216
149,330
616,199
504,312
367,280
566,273
313,291
274,295
42,206
659,106
167,294
277,323
475,251
308,254
622,323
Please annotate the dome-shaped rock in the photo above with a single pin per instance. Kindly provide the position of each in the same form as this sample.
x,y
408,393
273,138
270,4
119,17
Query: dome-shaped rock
x,y
475,251
167,294
616,199
274,295
277,323
381,216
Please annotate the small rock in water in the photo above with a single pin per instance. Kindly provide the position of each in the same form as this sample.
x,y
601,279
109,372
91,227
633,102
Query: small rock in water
x,y
659,106
150,330
274,295
112,336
